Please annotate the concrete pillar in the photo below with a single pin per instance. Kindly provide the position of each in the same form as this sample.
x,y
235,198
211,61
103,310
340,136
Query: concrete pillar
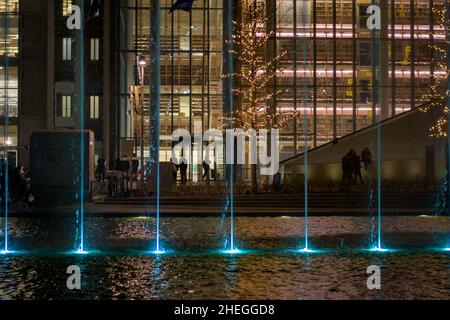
x,y
36,71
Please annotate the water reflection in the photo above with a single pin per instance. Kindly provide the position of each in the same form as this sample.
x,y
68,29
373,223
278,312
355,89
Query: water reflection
x,y
273,269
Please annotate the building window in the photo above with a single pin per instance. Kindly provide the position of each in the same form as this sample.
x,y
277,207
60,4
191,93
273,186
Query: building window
x,y
67,49
95,49
94,107
66,107
66,10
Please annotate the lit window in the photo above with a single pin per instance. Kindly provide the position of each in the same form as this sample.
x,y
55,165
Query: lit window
x,y
67,49
94,107
95,49
66,107
66,10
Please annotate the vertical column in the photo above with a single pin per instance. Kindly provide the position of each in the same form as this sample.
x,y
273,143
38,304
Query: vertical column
x,y
155,81
384,60
334,71
228,66
79,99
50,63
106,78
393,58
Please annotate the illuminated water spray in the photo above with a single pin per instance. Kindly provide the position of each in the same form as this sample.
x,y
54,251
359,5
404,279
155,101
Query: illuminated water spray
x,y
305,25
378,52
155,106
81,97
5,172
229,65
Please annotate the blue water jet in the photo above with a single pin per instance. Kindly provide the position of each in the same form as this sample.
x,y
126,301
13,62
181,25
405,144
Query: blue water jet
x,y
305,24
229,66
80,60
155,108
5,132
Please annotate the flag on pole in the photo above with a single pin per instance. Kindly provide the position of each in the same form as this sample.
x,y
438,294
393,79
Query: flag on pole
x,y
185,5
95,8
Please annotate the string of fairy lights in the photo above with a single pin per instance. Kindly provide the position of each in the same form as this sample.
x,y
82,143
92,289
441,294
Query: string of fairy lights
x,y
438,94
255,73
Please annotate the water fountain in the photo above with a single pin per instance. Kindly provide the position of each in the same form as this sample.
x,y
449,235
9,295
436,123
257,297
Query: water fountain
x,y
155,54
5,138
304,22
80,213
229,69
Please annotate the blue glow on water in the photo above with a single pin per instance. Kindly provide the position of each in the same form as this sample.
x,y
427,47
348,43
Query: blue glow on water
x,y
447,249
232,251
6,252
306,250
158,252
380,250
82,252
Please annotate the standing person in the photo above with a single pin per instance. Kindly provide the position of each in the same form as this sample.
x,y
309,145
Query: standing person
x,y
101,169
277,182
16,184
366,158
356,164
183,170
134,168
346,170
174,171
206,170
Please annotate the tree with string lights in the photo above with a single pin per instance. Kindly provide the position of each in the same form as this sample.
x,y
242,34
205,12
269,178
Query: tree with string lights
x,y
438,95
255,74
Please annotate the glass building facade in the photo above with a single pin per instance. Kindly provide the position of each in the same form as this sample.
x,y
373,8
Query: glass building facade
x,y
328,72
9,71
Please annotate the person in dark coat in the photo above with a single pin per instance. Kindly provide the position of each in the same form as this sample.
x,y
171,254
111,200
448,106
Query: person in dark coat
x,y
101,169
183,170
366,158
206,171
